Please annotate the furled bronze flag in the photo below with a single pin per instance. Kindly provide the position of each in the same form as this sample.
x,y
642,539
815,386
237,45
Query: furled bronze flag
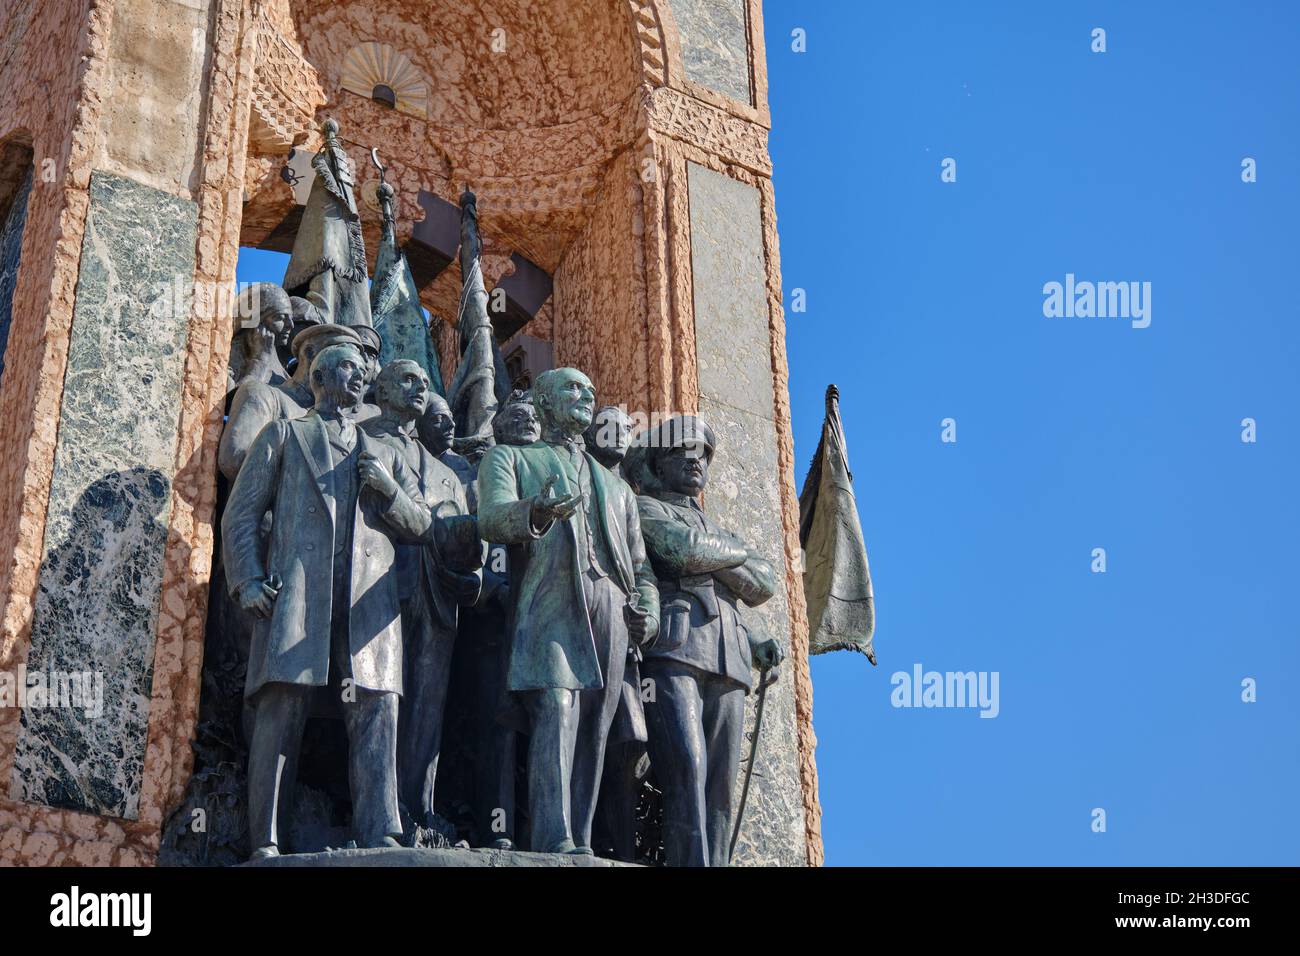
x,y
480,384
395,302
836,576
328,263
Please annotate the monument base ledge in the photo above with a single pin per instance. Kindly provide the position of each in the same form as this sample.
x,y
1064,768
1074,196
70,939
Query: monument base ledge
x,y
429,857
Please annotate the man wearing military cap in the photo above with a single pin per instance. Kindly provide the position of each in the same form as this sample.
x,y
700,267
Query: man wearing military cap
x,y
304,314
701,661
257,404
371,346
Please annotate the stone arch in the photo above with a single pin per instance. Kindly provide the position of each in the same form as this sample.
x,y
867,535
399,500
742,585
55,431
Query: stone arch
x,y
533,107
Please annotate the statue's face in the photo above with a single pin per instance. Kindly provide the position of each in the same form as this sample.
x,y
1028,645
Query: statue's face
x,y
278,323
569,401
437,427
519,424
612,434
684,469
403,388
372,365
307,353
340,378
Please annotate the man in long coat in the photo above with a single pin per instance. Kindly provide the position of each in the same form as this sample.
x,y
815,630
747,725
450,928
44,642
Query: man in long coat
x,y
608,439
433,580
436,430
256,404
324,592
581,588
497,716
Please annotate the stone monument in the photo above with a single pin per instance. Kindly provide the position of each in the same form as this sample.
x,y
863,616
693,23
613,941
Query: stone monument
x,y
625,219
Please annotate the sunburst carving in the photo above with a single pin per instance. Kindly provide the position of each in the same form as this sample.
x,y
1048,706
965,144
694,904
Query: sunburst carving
x,y
369,65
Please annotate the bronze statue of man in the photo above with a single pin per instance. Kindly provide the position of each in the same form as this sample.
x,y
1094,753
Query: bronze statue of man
x,y
328,263
324,595
495,716
701,662
371,346
265,316
432,580
581,589
436,429
516,423
608,438
256,404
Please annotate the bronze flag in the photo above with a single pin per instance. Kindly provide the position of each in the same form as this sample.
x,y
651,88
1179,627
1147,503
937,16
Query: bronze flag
x,y
480,384
395,307
836,576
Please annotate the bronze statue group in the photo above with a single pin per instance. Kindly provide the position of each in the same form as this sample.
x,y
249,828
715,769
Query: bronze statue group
x,y
358,546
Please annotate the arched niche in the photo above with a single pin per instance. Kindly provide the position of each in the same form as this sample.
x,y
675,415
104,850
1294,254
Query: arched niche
x,y
534,107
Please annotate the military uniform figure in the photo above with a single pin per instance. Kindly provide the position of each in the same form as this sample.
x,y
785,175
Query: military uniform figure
x,y
580,589
700,665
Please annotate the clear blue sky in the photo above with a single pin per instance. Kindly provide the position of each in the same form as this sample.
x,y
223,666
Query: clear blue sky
x,y
1119,690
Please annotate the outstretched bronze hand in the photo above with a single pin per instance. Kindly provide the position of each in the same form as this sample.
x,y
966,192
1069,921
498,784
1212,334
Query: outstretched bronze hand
x,y
548,507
